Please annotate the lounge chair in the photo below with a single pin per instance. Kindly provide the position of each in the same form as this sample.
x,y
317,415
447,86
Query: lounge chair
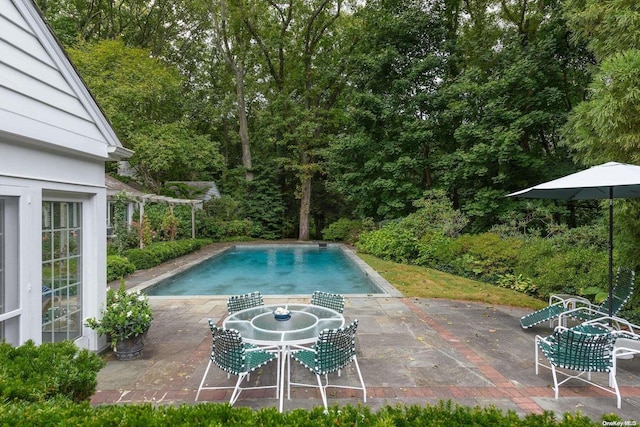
x,y
562,306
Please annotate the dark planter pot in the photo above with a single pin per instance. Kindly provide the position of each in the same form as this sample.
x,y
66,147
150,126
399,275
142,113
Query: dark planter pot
x,y
130,348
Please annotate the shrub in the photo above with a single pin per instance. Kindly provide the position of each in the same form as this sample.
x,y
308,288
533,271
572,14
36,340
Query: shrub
x,y
125,315
562,269
64,413
158,252
118,266
484,256
391,242
226,230
343,230
38,373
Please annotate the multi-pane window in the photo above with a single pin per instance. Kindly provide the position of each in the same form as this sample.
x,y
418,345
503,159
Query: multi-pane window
x,y
61,271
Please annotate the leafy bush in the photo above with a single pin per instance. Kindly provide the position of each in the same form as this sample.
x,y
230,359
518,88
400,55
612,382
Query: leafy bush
x,y
343,230
518,283
37,373
225,230
64,413
125,315
156,214
562,269
484,256
158,252
118,266
392,242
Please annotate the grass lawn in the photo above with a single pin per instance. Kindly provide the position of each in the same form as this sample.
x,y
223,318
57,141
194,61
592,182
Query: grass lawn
x,y
415,281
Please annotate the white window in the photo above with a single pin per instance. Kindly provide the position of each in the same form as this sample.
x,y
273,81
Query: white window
x,y
9,283
61,271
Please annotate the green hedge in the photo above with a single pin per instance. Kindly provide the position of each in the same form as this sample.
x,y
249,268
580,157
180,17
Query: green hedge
x,y
38,373
159,252
535,265
64,413
118,266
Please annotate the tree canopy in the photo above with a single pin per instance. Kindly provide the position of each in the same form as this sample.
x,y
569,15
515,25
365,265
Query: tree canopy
x,y
355,109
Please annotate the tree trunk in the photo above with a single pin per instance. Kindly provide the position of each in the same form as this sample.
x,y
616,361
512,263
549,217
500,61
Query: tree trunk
x,y
305,207
242,119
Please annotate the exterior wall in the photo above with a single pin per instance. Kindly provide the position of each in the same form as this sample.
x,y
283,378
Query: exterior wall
x,y
87,186
38,100
54,142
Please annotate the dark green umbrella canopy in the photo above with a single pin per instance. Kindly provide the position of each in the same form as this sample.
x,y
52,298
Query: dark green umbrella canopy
x,y
610,181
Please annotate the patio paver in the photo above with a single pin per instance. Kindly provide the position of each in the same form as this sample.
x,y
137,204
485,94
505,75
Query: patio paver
x,y
414,351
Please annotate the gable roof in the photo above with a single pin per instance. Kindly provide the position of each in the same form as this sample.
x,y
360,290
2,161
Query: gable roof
x,y
43,100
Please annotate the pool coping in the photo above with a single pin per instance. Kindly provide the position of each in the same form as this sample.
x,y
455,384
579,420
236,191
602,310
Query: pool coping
x,y
373,275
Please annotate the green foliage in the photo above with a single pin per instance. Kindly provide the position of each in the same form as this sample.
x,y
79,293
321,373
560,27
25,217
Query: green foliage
x,y
173,152
263,204
121,237
65,413
31,373
409,239
158,252
608,26
169,227
605,126
134,89
156,214
226,230
125,315
118,267
392,242
562,268
225,208
343,230
484,256
517,282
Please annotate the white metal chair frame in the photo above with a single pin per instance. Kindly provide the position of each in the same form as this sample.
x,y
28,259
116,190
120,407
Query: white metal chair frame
x,y
233,356
571,349
334,350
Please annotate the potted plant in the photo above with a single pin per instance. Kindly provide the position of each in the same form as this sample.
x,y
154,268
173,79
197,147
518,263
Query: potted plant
x,y
126,320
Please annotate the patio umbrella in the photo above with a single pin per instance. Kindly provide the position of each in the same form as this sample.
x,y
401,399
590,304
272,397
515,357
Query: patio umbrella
x,y
607,181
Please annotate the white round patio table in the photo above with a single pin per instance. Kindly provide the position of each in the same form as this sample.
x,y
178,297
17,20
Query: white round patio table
x,y
259,326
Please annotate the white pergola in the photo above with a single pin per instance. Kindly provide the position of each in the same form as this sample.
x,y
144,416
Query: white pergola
x,y
116,188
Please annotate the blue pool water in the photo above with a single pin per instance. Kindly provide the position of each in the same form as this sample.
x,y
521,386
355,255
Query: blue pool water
x,y
281,270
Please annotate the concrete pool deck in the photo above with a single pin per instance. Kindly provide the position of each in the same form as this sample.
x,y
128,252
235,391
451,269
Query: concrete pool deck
x,y
411,351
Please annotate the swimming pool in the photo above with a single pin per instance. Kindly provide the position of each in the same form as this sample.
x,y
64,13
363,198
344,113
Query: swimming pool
x,y
278,269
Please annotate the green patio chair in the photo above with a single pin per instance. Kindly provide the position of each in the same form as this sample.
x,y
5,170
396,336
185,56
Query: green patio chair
x,y
562,306
232,355
334,350
240,302
627,344
325,299
571,350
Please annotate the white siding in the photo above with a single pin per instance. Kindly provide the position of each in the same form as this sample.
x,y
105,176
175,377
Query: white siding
x,y
37,99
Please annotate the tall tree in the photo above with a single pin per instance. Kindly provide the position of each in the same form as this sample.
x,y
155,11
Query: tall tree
x,y
606,125
233,43
141,96
379,163
304,47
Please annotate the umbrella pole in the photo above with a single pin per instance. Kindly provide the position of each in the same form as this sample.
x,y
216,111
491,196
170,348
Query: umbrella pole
x,y
610,251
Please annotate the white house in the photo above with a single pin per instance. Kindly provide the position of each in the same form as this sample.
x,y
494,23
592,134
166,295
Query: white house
x,y
54,142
